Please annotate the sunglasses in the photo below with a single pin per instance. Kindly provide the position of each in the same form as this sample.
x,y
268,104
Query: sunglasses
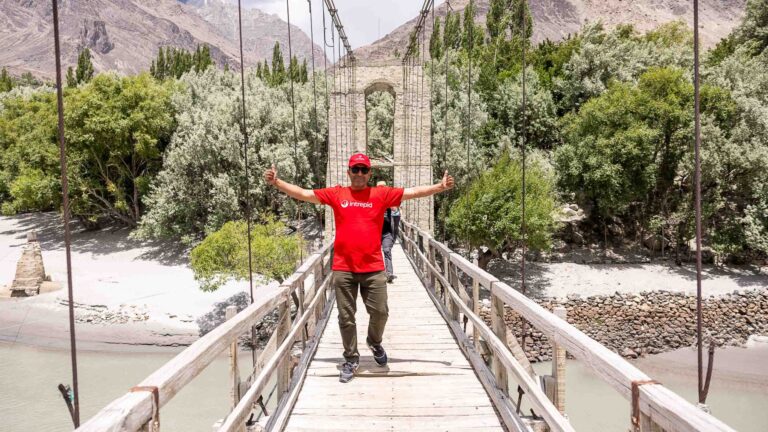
x,y
360,169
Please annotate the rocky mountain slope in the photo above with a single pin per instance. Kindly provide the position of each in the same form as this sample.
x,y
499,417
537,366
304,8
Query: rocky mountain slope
x,y
124,35
555,19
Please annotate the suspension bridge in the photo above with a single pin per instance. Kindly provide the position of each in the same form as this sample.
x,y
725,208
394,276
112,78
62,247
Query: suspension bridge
x,y
449,369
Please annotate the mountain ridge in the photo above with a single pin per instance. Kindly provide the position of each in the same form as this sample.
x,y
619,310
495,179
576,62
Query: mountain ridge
x,y
125,35
556,19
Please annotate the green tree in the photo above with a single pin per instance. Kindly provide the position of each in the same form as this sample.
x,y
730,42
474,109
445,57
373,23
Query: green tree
x,y
541,122
489,213
549,59
6,83
304,76
605,57
117,129
294,70
84,71
494,19
266,74
626,147
754,28
470,28
452,32
278,75
202,58
28,151
436,42
518,9
223,254
71,80
33,190
202,183
379,115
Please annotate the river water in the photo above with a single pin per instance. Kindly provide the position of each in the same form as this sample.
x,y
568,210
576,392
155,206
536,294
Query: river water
x,y
30,401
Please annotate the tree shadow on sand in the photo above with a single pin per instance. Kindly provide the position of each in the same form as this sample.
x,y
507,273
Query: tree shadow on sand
x,y
109,240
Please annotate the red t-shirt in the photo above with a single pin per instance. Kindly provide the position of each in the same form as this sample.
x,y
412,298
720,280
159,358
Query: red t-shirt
x,y
359,217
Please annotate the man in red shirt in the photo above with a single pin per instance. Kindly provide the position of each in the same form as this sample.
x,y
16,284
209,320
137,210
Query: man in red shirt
x,y
358,211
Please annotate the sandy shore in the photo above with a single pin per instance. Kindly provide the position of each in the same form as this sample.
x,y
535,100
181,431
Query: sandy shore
x,y
153,283
561,279
149,284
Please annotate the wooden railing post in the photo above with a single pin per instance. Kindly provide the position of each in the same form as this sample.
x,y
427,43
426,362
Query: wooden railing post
x,y
319,276
430,260
283,370
234,370
500,329
558,365
300,312
452,277
476,310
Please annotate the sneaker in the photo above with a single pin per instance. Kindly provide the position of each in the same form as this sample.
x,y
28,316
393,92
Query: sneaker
x,y
378,354
348,371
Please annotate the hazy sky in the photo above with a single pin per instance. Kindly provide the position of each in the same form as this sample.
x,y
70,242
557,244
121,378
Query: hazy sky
x,y
364,20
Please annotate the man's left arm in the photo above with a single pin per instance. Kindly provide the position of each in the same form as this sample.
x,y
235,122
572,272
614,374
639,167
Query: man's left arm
x,y
424,191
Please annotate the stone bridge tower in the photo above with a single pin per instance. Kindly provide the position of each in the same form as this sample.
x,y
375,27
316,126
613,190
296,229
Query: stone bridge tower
x,y
348,134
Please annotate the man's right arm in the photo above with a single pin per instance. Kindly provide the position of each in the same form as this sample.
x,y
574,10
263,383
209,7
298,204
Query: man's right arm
x,y
293,191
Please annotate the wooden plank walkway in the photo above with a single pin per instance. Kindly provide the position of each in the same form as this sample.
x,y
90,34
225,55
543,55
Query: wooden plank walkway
x,y
428,384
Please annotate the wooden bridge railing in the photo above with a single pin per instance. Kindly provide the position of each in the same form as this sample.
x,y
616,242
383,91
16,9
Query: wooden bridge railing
x,y
138,409
444,273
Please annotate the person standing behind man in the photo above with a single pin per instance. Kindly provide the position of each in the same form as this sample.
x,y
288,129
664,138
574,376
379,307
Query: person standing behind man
x,y
358,212
388,239
395,222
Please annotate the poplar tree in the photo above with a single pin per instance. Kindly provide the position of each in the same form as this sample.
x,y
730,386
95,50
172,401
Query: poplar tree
x,y
6,83
71,80
435,42
278,65
84,72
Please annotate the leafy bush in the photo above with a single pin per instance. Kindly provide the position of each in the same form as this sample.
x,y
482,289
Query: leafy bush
x,y
490,213
33,190
224,254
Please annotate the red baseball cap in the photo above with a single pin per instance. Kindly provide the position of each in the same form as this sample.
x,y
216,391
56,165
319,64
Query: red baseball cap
x,y
359,159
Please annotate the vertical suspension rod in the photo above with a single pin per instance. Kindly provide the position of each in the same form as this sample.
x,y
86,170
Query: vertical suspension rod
x,y
697,181
293,113
245,151
66,217
523,226
445,104
315,147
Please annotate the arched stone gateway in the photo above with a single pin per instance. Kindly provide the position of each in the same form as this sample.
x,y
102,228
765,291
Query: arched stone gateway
x,y
347,131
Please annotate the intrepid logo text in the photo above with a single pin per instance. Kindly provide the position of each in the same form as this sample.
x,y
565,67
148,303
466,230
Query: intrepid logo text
x,y
345,204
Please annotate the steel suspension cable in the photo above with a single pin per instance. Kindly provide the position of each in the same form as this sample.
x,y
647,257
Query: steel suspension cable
x,y
409,129
316,148
247,197
470,47
291,71
342,107
245,152
703,385
445,105
336,137
75,396
431,105
328,172
524,107
421,127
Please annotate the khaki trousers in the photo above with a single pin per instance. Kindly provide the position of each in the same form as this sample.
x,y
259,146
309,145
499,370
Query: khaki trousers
x,y
373,289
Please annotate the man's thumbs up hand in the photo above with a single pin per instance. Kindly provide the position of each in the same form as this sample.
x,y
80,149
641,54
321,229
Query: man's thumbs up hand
x,y
270,175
